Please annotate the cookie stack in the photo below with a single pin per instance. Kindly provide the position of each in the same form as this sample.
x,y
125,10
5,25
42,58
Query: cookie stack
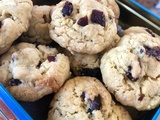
x,y
73,49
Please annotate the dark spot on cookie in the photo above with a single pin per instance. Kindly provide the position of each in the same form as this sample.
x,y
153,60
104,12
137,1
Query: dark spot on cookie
x,y
83,95
51,58
140,64
98,17
120,31
95,72
14,82
83,21
94,104
141,96
141,51
46,19
155,52
129,74
39,64
67,9
150,32
0,24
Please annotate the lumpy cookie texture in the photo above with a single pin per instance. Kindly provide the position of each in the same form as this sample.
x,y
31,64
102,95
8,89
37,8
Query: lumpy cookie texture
x,y
84,64
32,72
83,26
85,97
14,20
131,70
38,31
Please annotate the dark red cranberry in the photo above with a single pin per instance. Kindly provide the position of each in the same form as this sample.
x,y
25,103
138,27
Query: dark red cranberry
x,y
155,52
95,104
141,96
83,21
51,58
14,82
67,9
150,32
129,74
98,17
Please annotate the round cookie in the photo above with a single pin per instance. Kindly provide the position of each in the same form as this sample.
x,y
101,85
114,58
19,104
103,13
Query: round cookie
x,y
83,26
139,29
131,71
38,31
112,5
34,71
14,20
85,64
87,98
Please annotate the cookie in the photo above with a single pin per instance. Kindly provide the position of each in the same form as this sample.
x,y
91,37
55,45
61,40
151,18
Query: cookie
x,y
38,31
87,98
33,71
14,20
139,29
131,71
84,64
113,5
83,26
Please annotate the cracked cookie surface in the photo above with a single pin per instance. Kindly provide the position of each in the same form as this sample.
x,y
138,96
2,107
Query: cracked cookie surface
x,y
131,71
83,26
32,72
38,31
85,97
14,20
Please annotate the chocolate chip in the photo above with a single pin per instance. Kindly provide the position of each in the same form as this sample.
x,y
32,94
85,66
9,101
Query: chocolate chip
x,y
67,9
95,104
155,52
51,58
129,74
83,21
98,17
14,82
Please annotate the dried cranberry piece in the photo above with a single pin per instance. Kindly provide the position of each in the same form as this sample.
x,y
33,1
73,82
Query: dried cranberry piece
x,y
141,96
98,17
129,74
51,58
95,104
150,32
83,21
155,52
67,9
14,82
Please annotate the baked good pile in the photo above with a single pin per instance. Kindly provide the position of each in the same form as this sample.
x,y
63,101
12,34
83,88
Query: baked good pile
x,y
74,49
